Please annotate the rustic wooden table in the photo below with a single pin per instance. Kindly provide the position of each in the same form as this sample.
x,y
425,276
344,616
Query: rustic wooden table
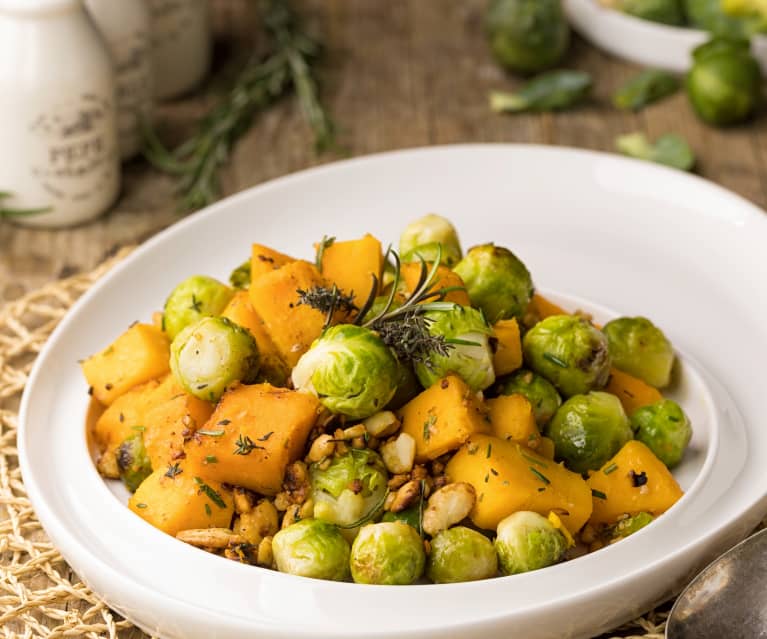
x,y
400,73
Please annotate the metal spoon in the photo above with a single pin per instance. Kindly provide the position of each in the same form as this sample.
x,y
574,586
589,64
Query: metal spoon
x,y
728,600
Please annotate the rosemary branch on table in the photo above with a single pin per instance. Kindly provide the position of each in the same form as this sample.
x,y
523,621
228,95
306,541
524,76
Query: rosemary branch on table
x,y
262,81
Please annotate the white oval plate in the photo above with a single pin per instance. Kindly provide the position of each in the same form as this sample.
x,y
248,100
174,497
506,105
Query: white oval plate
x,y
637,237
642,41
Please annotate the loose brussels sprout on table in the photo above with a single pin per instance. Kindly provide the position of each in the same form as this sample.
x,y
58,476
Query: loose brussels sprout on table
x,y
196,297
528,541
569,352
664,428
312,548
588,430
640,348
387,553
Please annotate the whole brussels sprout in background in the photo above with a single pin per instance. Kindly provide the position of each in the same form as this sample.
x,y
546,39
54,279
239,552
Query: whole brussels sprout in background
x,y
539,392
528,541
497,282
387,553
725,82
711,16
312,548
196,297
663,11
588,430
430,235
211,354
133,462
352,487
461,554
350,369
527,36
569,352
469,354
664,428
640,348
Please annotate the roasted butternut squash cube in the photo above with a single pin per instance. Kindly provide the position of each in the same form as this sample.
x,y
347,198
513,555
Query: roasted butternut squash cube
x,y
633,481
545,448
180,499
240,310
512,417
444,279
292,326
253,435
125,417
443,417
508,352
508,478
169,422
265,260
632,391
141,353
543,308
351,264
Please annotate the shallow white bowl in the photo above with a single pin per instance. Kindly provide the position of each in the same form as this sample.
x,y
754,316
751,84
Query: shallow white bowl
x,y
642,41
638,238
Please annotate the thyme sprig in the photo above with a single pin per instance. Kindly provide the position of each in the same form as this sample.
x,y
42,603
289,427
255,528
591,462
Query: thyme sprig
x,y
262,82
7,214
327,300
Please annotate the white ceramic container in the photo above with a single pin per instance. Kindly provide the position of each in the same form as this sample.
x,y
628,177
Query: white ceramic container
x,y
181,41
58,125
126,29
596,231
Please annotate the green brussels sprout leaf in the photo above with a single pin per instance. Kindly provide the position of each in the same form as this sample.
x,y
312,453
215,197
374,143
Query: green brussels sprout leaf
x,y
670,149
649,86
552,91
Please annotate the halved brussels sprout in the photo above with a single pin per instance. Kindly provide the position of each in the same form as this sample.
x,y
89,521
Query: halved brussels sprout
x,y
539,392
569,352
587,430
461,554
212,354
133,462
351,371
429,236
196,297
528,541
351,489
497,282
640,348
664,428
387,553
312,548
469,355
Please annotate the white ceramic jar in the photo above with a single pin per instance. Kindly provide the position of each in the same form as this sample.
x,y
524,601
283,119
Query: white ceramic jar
x,y
126,29
181,37
58,127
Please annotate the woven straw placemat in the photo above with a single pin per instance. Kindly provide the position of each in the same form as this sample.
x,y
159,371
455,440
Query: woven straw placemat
x,y
40,596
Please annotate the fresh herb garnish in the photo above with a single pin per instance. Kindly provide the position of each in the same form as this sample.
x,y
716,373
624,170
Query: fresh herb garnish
x,y
540,475
368,516
427,427
7,214
610,469
555,360
208,511
325,243
173,470
533,460
245,445
327,300
141,505
211,459
489,450
598,494
211,494
211,433
270,433
196,304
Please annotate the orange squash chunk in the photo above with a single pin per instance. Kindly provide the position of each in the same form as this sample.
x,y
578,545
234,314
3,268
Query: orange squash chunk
x,y
182,501
633,481
632,391
508,353
544,308
253,435
351,265
445,278
265,260
512,417
141,353
443,417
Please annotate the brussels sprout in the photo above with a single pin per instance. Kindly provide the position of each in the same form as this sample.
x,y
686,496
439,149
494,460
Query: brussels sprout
x,y
240,277
538,390
664,428
461,554
351,489
569,352
725,82
527,36
196,297
588,430
411,516
497,282
663,11
350,369
211,354
133,462
387,553
429,236
312,548
407,387
469,354
640,348
714,16
528,541
630,525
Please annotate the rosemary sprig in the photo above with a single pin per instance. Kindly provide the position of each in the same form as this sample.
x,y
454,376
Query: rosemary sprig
x,y
327,300
7,214
262,82
245,445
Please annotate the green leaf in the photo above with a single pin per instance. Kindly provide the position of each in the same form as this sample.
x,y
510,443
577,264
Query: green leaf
x,y
670,149
7,214
552,91
643,89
